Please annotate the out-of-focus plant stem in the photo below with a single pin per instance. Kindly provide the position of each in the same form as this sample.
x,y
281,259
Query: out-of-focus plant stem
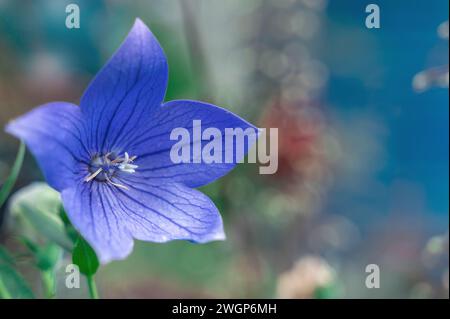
x,y
48,281
4,293
11,180
93,293
196,49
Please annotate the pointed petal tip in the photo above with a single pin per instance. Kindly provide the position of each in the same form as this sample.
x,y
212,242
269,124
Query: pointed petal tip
x,y
105,256
13,129
104,260
140,26
138,23
216,235
9,127
219,236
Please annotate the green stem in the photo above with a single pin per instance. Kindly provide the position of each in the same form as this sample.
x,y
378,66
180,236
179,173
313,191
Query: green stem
x,y
48,281
93,293
4,293
196,49
11,179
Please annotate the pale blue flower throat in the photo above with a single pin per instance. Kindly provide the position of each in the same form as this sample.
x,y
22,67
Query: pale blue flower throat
x,y
103,168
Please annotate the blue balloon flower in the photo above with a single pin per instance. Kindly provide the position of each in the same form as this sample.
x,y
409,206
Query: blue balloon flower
x,y
110,156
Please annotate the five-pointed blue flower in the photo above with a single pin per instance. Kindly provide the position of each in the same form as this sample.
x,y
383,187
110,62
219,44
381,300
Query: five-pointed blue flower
x,y
110,159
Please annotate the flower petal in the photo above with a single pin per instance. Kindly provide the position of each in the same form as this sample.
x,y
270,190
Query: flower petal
x,y
169,212
153,145
55,136
109,217
126,89
91,211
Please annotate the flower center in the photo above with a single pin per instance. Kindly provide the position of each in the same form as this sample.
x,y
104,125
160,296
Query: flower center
x,y
103,168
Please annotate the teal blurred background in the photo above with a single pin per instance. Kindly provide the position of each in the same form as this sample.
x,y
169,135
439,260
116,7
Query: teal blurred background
x,y
363,128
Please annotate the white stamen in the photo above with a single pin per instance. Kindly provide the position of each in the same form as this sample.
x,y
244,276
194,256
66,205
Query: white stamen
x,y
126,166
107,167
92,176
116,184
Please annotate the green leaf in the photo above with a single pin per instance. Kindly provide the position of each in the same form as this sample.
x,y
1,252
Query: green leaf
x,y
84,257
37,206
328,291
46,257
11,179
4,292
70,230
12,284
5,257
